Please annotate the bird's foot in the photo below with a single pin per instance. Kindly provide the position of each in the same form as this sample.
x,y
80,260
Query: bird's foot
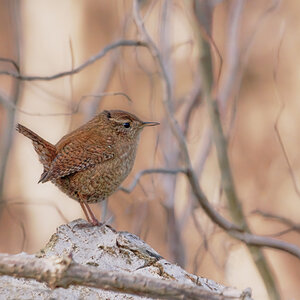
x,y
89,223
95,222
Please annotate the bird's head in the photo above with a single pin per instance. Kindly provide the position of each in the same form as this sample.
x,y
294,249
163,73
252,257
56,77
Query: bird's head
x,y
124,123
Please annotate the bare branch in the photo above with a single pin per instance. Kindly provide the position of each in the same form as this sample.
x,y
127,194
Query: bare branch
x,y
8,103
193,100
230,228
167,101
108,94
280,111
8,122
38,203
19,222
233,53
258,23
234,204
261,241
104,80
200,196
11,61
91,60
63,272
286,221
149,171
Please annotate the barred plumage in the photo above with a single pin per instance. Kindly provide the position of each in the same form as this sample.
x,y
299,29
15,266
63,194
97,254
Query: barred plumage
x,y
91,162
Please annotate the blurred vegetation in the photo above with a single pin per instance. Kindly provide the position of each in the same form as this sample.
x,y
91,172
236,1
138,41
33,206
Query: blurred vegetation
x,y
258,44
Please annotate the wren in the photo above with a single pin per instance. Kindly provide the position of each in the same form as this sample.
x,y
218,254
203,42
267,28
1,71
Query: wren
x,y
91,162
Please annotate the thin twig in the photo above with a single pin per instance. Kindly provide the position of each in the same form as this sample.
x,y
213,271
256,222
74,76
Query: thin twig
x,y
11,61
107,94
8,103
280,111
72,67
91,60
39,203
20,223
107,72
106,77
286,221
204,244
149,171
167,101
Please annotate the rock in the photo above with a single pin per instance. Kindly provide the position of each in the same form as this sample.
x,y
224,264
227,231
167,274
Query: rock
x,y
108,250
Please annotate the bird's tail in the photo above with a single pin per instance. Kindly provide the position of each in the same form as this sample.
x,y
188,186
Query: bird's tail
x,y
45,150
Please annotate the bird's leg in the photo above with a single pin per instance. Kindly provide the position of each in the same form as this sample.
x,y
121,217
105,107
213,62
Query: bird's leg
x,y
85,211
94,220
88,212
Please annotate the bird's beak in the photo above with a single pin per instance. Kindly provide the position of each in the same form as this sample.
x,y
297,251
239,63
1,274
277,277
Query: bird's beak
x,y
150,124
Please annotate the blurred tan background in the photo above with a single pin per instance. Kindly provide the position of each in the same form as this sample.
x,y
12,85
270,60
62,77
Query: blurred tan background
x,y
47,37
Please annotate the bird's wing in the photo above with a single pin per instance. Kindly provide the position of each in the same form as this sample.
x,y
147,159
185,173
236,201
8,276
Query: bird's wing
x,y
76,154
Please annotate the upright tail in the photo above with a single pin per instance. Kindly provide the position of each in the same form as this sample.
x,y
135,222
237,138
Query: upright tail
x,y
45,150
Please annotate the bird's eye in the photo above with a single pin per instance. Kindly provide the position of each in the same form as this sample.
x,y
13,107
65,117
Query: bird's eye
x,y
126,125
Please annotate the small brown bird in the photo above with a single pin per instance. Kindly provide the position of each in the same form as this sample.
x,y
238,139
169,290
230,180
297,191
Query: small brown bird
x,y
90,163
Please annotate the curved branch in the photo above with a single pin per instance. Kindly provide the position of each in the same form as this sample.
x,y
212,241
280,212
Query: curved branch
x,y
167,100
261,241
91,60
237,231
12,62
283,220
234,203
149,171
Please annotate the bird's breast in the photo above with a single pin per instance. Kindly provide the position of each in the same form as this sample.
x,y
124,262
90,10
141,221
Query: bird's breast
x,y
100,181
